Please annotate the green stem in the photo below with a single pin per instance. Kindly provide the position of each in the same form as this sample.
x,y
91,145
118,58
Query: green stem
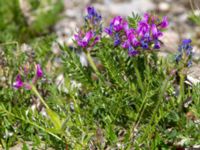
x,y
39,96
182,92
90,60
34,124
139,79
10,43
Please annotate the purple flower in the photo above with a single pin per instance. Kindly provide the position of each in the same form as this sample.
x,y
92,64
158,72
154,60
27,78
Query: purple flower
x,y
155,32
109,30
178,57
144,45
117,23
91,11
132,37
117,40
132,51
96,40
18,82
185,52
83,42
143,28
186,41
125,26
39,72
146,17
156,44
126,44
93,16
164,23
145,36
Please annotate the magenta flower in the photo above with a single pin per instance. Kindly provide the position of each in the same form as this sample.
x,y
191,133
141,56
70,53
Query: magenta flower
x,y
117,23
18,82
144,37
125,26
84,41
146,17
164,23
132,51
96,40
126,44
109,30
155,32
143,28
156,44
131,36
90,33
39,72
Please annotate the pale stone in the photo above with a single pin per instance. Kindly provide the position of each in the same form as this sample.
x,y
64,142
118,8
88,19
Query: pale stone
x,y
163,6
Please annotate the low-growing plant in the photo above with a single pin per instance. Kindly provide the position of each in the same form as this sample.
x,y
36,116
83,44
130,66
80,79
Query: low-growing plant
x,y
123,97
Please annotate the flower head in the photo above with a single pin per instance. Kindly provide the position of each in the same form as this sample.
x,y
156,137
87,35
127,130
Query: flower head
x,y
143,28
109,30
117,23
117,40
93,16
18,82
132,51
164,23
155,32
144,37
185,53
39,72
90,33
83,41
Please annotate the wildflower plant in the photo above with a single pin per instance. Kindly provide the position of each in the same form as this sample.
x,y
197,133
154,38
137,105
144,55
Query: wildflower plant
x,y
19,83
144,37
184,55
125,98
90,33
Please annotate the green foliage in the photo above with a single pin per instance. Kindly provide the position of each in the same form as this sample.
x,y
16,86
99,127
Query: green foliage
x,y
133,20
14,25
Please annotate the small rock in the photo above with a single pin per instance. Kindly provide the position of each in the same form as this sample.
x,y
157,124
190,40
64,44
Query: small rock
x,y
126,9
55,48
177,10
171,40
75,12
196,53
83,59
194,74
26,48
163,6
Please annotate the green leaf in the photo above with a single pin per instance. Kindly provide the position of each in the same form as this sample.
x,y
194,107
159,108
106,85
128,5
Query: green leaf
x,y
55,119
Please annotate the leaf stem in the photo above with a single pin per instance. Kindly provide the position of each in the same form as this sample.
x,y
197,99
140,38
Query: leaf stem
x,y
90,60
39,96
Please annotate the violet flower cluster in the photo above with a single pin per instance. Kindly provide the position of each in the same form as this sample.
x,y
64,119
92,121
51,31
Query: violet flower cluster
x,y
185,53
90,33
20,83
144,37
